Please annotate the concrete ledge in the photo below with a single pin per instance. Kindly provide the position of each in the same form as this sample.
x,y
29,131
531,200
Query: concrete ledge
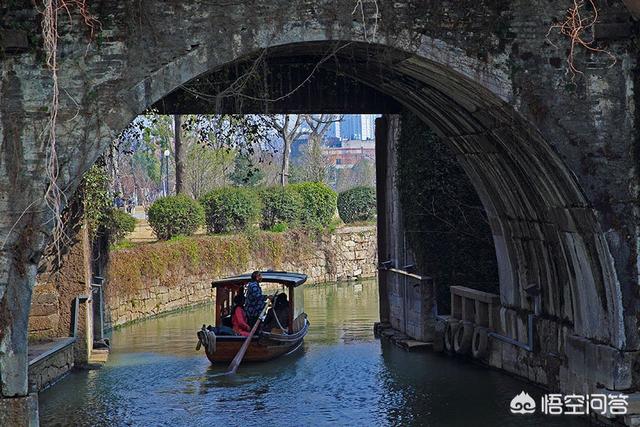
x,y
355,228
98,358
54,347
398,338
48,362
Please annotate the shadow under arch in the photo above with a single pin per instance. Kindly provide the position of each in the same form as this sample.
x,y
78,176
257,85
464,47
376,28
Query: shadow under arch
x,y
544,229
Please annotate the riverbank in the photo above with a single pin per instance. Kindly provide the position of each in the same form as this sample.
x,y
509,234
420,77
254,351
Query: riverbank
x,y
154,278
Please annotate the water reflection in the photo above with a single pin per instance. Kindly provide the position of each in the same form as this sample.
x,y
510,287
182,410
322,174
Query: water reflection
x,y
341,311
341,376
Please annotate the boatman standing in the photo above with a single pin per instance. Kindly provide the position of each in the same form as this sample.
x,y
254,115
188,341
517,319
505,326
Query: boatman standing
x,y
254,302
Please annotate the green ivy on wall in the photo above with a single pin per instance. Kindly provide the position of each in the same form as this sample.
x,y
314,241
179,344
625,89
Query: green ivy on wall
x,y
101,216
447,228
96,197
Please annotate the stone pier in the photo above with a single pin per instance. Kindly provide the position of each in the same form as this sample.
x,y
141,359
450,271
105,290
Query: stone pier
x,y
19,411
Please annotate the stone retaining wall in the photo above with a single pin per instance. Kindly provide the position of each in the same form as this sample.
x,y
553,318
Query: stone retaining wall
x,y
47,370
50,315
346,253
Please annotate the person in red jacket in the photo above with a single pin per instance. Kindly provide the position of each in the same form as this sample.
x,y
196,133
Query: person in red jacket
x,y
238,317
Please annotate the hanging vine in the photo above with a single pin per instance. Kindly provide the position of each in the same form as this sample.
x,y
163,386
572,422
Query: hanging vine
x,y
51,12
54,196
578,26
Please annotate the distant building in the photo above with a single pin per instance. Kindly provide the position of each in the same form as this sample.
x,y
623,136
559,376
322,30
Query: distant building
x,y
354,126
349,153
334,130
351,127
367,124
332,141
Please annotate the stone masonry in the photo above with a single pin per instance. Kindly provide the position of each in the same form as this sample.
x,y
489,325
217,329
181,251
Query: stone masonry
x,y
554,161
43,373
347,253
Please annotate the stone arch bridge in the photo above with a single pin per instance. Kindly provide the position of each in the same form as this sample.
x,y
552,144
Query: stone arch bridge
x,y
554,163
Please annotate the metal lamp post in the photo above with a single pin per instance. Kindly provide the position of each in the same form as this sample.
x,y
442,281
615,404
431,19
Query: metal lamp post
x,y
166,175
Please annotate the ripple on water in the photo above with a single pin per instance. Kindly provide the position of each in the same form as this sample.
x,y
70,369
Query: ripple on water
x,y
342,376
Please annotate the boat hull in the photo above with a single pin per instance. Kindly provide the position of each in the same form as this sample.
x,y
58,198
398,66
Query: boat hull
x,y
257,351
262,348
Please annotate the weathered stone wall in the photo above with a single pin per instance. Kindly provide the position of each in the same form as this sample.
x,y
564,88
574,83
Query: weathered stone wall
x,y
555,164
48,370
552,356
54,293
52,318
45,315
560,359
52,305
348,252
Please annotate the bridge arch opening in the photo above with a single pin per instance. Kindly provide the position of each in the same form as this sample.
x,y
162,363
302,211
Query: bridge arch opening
x,y
545,233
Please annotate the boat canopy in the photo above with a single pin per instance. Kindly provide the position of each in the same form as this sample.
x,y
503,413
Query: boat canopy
x,y
283,277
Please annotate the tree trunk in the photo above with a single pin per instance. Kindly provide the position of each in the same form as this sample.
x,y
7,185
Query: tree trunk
x,y
114,168
286,153
179,154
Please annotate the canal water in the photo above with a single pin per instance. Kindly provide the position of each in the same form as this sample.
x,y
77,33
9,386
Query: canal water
x,y
342,376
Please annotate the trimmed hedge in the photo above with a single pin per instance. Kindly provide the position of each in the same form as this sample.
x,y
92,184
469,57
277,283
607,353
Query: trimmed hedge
x,y
281,206
117,224
175,216
357,204
230,209
319,203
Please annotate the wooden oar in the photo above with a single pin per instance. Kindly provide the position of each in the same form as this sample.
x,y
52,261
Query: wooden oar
x,y
233,367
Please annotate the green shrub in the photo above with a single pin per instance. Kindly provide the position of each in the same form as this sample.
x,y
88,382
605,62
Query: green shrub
x,y
280,206
319,203
97,201
117,224
230,209
357,204
280,227
175,216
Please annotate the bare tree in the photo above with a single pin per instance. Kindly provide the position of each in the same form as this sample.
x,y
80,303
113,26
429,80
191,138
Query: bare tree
x,y
206,168
314,166
288,129
319,124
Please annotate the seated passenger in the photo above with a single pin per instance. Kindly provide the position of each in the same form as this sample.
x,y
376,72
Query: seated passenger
x,y
238,317
225,315
281,309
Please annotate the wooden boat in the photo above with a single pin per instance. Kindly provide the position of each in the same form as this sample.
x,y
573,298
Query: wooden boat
x,y
265,345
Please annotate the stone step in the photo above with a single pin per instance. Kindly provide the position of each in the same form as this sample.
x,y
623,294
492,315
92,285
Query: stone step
x,y
98,357
413,345
400,339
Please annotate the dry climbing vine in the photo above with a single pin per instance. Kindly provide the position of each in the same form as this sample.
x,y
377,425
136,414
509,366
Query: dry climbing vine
x,y
374,32
578,27
236,89
54,196
51,9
